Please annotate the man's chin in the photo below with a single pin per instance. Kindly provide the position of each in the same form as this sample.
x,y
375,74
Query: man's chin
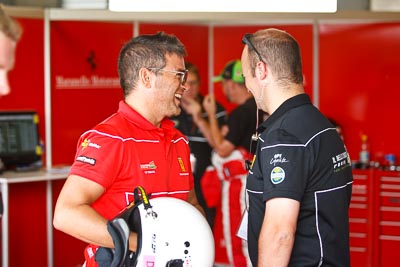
x,y
177,112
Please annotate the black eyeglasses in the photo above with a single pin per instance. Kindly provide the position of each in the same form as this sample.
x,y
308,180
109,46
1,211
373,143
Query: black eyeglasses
x,y
181,74
246,41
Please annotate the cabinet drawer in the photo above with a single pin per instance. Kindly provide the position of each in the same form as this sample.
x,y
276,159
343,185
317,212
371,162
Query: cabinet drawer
x,y
358,211
358,225
391,228
388,198
389,213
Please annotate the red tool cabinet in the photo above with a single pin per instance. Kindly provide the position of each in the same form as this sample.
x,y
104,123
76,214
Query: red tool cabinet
x,y
375,218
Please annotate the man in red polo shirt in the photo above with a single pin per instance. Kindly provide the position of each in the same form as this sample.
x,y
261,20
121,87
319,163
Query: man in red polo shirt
x,y
137,145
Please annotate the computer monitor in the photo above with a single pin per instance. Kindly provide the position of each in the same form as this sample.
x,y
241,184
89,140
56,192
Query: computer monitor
x,y
20,145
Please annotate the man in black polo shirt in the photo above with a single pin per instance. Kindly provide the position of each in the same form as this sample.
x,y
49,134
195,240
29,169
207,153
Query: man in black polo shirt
x,y
300,182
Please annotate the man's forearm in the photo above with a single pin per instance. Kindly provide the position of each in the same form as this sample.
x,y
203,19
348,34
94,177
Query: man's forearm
x,y
204,127
215,132
274,249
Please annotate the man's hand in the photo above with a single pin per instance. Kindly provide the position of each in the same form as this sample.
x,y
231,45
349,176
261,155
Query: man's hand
x,y
209,105
192,107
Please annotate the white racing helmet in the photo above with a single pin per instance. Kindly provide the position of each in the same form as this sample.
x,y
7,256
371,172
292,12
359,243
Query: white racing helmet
x,y
175,233
171,233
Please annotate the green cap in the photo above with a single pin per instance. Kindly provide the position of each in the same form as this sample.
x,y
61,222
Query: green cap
x,y
232,71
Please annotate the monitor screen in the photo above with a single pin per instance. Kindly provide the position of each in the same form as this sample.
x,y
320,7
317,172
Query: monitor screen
x,y
19,139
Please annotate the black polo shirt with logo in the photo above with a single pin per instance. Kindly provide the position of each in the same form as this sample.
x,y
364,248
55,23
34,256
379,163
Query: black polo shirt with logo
x,y
301,156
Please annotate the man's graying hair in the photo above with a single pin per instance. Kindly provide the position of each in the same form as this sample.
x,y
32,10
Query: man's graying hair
x,y
146,51
282,54
9,26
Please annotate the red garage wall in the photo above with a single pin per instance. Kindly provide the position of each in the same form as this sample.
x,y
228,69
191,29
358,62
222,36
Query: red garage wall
x,y
195,39
81,51
359,83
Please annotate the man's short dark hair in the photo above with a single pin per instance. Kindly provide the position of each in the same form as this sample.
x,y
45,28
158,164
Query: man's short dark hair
x,y
145,51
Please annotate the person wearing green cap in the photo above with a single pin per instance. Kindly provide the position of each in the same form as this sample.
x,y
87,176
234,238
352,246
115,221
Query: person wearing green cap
x,y
230,151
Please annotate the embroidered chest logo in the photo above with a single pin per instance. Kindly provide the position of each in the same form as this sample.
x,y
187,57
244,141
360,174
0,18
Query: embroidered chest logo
x,y
148,167
277,175
278,158
183,172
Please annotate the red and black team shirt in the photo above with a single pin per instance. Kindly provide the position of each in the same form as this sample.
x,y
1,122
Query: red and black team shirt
x,y
301,156
125,151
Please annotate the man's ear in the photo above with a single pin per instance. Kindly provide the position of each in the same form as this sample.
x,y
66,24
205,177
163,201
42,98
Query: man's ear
x,y
261,70
145,76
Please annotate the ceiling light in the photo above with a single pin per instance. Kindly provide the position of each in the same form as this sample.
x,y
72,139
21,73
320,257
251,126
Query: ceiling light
x,y
303,6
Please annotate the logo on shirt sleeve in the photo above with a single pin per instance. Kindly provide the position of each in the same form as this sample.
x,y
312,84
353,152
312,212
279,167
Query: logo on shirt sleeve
x,y
87,160
341,161
183,172
181,164
87,143
277,175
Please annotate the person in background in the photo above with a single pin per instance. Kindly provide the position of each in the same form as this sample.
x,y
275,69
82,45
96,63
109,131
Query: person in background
x,y
190,123
136,146
230,151
300,182
10,33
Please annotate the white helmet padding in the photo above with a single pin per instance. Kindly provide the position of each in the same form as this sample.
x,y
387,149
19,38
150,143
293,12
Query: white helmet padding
x,y
171,232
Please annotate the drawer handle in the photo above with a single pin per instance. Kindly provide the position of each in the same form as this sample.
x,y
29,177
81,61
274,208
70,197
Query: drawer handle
x,y
394,200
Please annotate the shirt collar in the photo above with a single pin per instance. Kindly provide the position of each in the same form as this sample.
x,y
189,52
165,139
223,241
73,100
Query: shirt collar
x,y
293,102
133,116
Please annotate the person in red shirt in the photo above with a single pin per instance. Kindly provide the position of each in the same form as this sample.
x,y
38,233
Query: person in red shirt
x,y
136,146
